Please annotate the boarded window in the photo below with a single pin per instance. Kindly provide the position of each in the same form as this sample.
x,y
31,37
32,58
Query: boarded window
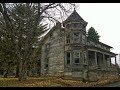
x,y
68,57
76,57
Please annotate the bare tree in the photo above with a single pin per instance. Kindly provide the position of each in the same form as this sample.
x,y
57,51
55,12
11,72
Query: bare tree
x,y
23,23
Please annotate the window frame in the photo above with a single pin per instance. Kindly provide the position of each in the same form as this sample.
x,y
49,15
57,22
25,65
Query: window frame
x,y
68,38
67,58
46,63
76,57
74,37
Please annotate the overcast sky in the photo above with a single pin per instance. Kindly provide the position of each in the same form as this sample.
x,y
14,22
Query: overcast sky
x,y
105,18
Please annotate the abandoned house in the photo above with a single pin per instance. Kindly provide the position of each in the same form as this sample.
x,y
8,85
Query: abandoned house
x,y
67,52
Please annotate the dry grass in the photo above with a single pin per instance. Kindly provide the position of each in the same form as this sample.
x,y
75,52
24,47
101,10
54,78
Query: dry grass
x,y
51,82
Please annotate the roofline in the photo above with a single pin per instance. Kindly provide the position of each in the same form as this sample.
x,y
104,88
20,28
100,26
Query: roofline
x,y
49,32
101,43
67,19
44,37
105,44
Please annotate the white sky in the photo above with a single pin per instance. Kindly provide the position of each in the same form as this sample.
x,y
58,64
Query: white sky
x,y
105,18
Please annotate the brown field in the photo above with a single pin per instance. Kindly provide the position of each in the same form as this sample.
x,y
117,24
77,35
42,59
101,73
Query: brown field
x,y
51,82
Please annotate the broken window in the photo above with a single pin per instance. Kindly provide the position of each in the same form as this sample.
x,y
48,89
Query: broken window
x,y
68,57
76,57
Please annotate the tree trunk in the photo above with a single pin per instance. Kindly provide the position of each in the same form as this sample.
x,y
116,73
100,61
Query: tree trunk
x,y
6,74
34,70
7,71
29,73
23,75
22,71
17,71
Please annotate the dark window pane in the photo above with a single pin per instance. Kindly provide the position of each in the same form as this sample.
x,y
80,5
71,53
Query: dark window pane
x,y
68,61
68,58
76,60
68,40
76,35
46,65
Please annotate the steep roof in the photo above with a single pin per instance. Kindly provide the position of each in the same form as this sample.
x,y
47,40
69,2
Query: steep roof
x,y
74,17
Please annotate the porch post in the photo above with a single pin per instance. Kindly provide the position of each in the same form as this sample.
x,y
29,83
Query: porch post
x,y
115,61
110,59
104,62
